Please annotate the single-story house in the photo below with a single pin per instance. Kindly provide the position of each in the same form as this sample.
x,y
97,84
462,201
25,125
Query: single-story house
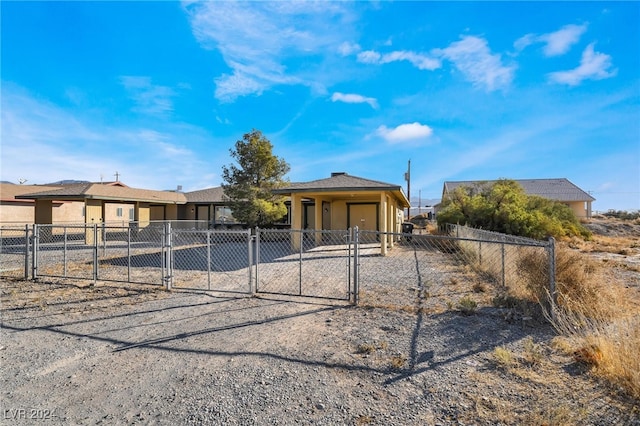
x,y
336,203
105,202
20,212
343,201
560,189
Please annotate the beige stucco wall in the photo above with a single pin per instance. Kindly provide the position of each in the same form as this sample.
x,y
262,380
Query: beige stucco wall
x,y
111,213
579,209
68,212
21,213
17,213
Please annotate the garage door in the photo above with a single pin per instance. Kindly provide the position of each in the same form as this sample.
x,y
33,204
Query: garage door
x,y
364,216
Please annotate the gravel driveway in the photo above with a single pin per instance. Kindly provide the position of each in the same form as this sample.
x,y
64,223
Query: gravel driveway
x,y
139,355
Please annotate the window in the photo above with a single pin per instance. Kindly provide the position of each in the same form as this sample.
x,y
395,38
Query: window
x,y
119,212
224,215
132,214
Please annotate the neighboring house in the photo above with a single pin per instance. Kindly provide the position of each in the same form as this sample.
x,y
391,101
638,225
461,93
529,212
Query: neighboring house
x,y
105,202
561,190
20,212
343,201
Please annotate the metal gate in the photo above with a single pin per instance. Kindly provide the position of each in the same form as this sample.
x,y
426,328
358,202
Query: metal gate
x,y
305,263
212,260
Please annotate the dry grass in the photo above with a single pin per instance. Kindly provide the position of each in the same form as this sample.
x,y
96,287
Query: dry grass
x,y
398,362
599,317
467,305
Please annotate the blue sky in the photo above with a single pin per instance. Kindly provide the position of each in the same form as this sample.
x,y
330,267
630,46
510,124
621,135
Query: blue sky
x,y
160,91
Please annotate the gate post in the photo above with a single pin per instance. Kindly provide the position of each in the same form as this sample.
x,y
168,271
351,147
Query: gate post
x,y
35,247
300,263
168,256
356,264
253,241
208,259
95,254
27,247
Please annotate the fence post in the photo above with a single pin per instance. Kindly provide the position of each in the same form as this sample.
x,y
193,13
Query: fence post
x,y
129,253
356,263
551,249
209,259
168,254
504,283
64,252
349,243
253,240
35,248
300,263
95,253
27,246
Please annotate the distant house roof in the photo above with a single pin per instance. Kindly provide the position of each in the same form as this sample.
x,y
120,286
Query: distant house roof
x,y
560,189
209,195
9,191
343,182
107,192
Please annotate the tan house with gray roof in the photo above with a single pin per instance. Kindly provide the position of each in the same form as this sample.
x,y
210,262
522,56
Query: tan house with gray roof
x,y
343,201
559,189
106,203
20,212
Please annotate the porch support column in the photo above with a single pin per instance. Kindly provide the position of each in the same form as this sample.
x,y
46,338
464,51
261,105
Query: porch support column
x,y
383,224
296,220
318,221
43,212
391,218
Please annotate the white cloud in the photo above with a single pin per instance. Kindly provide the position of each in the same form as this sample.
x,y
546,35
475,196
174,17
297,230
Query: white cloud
x,y
346,48
472,56
593,66
149,98
352,98
261,41
369,57
555,43
524,41
418,60
405,132
559,42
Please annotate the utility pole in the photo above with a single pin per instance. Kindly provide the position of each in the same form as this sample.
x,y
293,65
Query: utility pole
x,y
407,177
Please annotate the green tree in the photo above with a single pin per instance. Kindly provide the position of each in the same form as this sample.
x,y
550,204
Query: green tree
x,y
505,207
250,183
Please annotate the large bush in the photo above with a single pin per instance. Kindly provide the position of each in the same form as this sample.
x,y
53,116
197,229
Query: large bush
x,y
504,207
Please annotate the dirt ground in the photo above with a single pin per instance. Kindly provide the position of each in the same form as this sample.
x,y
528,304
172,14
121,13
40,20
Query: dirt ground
x,y
131,354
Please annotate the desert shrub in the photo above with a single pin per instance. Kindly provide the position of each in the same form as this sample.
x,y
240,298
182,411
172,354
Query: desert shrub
x,y
622,214
505,207
503,357
467,305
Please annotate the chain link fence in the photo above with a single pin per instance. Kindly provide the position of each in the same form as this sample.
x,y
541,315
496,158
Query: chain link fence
x,y
304,263
14,251
212,260
342,265
523,266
